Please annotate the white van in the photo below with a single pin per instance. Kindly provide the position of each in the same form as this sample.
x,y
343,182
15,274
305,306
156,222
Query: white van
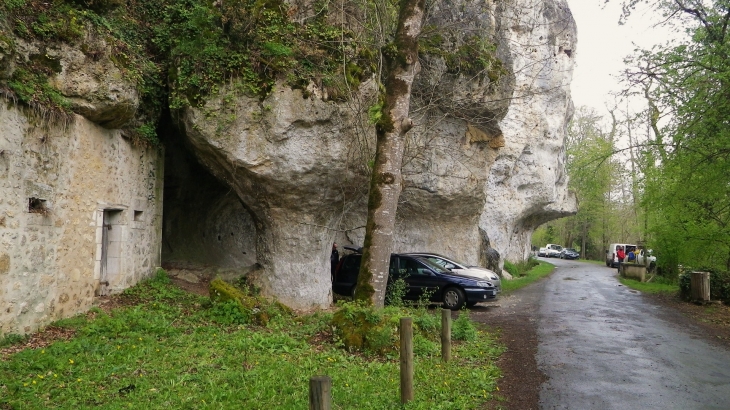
x,y
552,250
611,258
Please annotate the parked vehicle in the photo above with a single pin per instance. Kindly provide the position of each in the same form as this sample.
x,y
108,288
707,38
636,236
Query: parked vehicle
x,y
462,269
542,252
611,258
569,253
421,276
552,250
643,253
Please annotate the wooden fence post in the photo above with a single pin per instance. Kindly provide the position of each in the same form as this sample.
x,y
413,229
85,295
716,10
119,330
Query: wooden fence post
x,y
406,359
445,335
700,286
320,392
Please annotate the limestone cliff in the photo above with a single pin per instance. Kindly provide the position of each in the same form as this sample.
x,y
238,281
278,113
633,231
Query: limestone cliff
x,y
262,176
484,168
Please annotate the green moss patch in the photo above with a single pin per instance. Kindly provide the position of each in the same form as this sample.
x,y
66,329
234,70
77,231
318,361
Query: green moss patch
x,y
243,304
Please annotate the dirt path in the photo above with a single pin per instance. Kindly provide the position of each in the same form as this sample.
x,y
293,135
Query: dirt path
x,y
515,318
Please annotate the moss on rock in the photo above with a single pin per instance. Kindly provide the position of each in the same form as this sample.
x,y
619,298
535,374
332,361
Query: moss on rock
x,y
251,305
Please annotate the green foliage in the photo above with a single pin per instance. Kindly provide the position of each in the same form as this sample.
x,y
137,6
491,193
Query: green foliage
x,y
33,89
360,327
463,328
474,56
176,357
655,286
719,284
687,85
252,307
181,52
12,339
395,292
539,271
520,269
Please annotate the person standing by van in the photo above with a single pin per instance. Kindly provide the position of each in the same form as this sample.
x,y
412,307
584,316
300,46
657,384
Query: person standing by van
x,y
620,255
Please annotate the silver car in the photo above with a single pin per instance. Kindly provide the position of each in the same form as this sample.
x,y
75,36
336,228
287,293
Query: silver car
x,y
461,269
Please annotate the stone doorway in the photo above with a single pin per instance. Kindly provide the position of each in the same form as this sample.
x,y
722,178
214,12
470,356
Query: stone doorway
x,y
111,249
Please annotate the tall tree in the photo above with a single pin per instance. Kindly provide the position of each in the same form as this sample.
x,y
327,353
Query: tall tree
x,y
688,88
401,66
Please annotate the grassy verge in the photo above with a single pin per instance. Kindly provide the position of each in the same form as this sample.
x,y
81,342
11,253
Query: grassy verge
x,y
169,349
659,285
537,272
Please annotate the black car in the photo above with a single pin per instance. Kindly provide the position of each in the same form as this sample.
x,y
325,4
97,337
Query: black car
x,y
569,253
420,275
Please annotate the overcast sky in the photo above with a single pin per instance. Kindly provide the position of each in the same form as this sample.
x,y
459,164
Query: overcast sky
x,y
602,46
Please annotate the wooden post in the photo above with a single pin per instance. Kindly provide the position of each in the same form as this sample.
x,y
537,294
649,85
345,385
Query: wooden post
x,y
320,392
700,286
445,335
406,359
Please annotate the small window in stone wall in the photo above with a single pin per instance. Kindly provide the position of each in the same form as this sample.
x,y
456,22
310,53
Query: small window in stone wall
x,y
37,206
138,216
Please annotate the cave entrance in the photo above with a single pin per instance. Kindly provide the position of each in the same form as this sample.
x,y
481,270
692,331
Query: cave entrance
x,y
206,230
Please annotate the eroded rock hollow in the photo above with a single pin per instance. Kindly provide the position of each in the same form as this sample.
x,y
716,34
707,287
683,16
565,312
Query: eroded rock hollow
x,y
484,165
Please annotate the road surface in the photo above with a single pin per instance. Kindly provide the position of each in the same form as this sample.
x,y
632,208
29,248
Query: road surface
x,y
603,346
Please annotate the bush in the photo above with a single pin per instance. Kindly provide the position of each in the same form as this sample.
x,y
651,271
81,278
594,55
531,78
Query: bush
x,y
520,268
363,328
252,307
719,284
463,328
511,268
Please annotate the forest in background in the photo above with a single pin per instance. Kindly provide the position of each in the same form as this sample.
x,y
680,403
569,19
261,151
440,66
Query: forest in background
x,y
658,175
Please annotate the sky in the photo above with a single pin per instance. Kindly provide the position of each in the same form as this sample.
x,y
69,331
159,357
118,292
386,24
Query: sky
x,y
602,46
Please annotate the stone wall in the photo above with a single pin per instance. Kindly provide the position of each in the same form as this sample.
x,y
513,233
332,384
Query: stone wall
x,y
56,182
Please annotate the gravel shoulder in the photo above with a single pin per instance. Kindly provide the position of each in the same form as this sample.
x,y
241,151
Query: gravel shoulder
x,y
515,318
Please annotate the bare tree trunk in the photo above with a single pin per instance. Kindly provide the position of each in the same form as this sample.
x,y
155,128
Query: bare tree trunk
x,y
583,236
401,59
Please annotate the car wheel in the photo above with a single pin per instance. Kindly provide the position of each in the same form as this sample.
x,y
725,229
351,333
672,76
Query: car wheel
x,y
454,298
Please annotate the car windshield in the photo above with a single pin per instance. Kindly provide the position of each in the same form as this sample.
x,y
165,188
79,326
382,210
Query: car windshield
x,y
433,265
443,262
570,250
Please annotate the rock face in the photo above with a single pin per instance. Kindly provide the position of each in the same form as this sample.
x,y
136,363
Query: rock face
x,y
484,167
268,185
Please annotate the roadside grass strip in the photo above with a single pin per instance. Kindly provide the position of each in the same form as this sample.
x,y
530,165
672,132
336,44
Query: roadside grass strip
x,y
540,271
169,351
660,286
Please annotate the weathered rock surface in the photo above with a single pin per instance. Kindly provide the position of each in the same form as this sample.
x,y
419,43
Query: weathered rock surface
x,y
484,167
90,79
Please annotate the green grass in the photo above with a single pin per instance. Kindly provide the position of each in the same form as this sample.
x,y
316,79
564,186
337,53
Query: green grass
x,y
537,272
170,350
656,286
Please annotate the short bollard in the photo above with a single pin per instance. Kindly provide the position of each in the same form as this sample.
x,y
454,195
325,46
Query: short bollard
x,y
406,359
320,392
445,335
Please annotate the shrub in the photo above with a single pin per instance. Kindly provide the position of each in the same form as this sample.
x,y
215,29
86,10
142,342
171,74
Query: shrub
x,y
363,328
463,328
511,268
719,284
252,307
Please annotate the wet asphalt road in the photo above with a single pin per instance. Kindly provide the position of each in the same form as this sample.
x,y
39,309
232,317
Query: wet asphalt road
x,y
604,347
